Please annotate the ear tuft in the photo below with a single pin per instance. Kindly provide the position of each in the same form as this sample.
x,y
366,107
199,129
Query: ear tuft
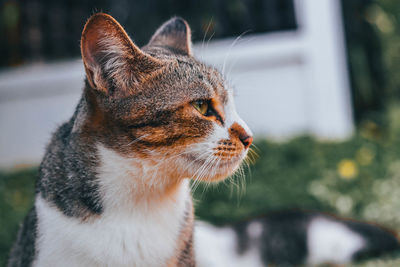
x,y
175,34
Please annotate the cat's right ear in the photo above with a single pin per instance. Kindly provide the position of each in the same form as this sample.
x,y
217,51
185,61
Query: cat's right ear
x,y
113,63
174,33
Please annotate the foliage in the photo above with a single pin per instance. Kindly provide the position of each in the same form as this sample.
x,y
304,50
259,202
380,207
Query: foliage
x,y
16,195
385,16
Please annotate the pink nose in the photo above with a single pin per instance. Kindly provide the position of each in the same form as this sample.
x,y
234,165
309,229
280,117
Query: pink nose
x,y
241,133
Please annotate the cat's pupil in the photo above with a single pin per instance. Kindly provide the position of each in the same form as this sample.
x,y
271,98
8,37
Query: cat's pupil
x,y
201,106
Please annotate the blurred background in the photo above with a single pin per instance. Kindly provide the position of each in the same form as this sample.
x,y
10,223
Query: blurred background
x,y
317,81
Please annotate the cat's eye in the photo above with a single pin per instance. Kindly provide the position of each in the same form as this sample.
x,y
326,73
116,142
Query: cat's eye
x,y
201,106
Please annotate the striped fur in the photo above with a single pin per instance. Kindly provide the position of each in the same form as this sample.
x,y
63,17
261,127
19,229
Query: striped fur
x,y
113,184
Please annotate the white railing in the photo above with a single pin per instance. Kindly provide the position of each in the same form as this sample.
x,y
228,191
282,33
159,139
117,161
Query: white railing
x,y
295,82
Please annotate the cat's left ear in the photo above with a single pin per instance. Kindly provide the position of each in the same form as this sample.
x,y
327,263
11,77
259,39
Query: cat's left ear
x,y
114,64
175,34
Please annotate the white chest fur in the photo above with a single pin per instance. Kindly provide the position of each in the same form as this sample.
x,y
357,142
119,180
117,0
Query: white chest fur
x,y
143,235
145,239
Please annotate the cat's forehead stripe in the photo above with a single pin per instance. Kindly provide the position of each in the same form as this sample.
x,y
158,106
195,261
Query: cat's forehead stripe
x,y
217,87
192,68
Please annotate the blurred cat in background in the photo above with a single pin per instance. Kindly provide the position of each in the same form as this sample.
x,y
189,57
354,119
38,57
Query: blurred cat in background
x,y
292,238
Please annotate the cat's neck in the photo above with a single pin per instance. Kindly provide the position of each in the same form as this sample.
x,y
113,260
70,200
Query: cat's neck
x,y
129,184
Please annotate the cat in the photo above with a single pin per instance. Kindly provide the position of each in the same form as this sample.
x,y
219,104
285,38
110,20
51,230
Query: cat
x,y
291,238
113,186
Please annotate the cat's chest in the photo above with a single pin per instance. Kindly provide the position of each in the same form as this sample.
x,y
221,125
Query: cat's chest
x,y
141,239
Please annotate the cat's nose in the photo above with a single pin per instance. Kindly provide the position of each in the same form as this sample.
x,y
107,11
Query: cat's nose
x,y
241,133
246,140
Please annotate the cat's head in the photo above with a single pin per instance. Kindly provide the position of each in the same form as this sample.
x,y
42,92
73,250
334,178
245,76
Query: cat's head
x,y
159,105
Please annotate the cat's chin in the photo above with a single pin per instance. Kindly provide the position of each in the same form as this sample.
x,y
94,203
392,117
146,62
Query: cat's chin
x,y
221,170
228,168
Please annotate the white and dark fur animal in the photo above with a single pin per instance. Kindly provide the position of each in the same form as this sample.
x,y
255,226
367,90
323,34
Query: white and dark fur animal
x,y
113,186
291,238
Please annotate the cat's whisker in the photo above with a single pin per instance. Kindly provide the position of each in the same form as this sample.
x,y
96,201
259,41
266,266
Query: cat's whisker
x,y
254,147
230,49
214,167
251,157
204,38
228,74
242,180
195,176
209,39
195,160
203,171
190,164
238,179
248,172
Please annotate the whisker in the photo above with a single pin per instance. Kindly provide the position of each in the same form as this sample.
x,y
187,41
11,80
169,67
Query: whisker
x,y
201,175
198,172
204,37
213,167
209,39
137,139
228,73
229,50
206,170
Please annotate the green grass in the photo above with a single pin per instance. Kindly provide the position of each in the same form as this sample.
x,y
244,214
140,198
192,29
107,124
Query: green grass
x,y
16,195
358,178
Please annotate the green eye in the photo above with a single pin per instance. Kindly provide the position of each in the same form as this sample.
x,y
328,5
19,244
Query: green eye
x,y
201,106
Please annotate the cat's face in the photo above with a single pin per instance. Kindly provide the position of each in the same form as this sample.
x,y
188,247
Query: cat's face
x,y
158,104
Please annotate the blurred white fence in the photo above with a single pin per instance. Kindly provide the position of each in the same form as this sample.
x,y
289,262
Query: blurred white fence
x,y
286,84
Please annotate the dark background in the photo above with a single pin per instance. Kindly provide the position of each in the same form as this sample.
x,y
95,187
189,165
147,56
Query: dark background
x,y
50,30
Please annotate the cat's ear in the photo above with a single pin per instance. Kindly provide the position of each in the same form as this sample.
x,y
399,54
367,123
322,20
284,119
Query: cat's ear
x,y
175,34
113,63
